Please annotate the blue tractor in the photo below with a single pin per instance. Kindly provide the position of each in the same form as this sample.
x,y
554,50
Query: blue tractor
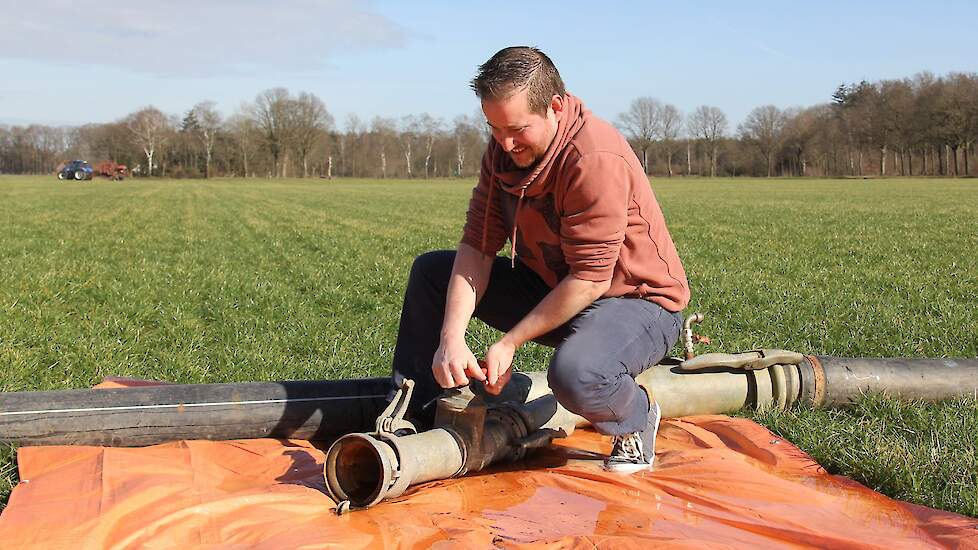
x,y
76,170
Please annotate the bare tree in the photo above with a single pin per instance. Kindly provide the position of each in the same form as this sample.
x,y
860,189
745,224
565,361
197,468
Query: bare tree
x,y
642,124
406,137
352,146
764,127
271,113
467,134
710,125
209,124
246,139
800,131
308,123
428,128
960,112
671,126
150,130
383,131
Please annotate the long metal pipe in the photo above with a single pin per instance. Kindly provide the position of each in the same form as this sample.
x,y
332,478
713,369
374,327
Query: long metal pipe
x,y
327,409
926,379
127,417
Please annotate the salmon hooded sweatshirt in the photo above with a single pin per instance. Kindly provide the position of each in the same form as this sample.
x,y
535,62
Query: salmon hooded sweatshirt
x,y
586,209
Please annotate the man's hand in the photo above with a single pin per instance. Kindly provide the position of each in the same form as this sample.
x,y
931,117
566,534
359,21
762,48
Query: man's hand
x,y
454,363
499,362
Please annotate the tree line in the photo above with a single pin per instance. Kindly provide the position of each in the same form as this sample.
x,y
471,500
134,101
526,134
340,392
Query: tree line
x,y
924,125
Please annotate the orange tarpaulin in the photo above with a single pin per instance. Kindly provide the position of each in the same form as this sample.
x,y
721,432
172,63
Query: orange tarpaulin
x,y
719,482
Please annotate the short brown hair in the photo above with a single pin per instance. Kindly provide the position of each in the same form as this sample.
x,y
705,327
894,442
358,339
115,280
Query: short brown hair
x,y
515,68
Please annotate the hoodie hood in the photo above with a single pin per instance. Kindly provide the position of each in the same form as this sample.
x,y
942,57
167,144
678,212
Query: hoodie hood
x,y
533,181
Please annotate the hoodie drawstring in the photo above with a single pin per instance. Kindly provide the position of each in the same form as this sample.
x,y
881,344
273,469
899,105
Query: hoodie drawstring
x,y
516,217
485,215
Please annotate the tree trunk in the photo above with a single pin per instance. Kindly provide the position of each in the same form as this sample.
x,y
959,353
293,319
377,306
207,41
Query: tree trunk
x,y
689,162
669,161
459,157
713,162
149,161
645,161
383,164
967,171
883,160
329,167
407,158
305,166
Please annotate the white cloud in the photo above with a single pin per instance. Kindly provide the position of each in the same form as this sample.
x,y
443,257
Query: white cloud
x,y
195,37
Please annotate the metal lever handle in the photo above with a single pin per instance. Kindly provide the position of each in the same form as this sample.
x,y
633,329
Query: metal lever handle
x,y
392,419
748,360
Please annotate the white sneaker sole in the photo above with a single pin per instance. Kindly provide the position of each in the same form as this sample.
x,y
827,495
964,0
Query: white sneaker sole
x,y
631,468
628,468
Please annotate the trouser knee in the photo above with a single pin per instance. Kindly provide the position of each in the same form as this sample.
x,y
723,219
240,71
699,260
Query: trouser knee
x,y
433,265
580,385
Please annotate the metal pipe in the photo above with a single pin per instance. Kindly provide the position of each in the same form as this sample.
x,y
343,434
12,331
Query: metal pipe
x,y
128,417
474,434
925,379
325,410
363,469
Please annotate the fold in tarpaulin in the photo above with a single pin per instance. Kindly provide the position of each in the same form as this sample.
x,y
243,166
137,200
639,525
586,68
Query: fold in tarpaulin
x,y
719,482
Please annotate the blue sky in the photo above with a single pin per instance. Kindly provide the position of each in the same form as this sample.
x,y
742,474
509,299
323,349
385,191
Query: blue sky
x,y
77,61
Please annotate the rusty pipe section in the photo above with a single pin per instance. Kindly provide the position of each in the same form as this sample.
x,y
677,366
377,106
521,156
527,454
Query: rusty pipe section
x,y
468,435
474,430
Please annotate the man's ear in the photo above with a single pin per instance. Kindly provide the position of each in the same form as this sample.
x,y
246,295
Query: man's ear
x,y
557,104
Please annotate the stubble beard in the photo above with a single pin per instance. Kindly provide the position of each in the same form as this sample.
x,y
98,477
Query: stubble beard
x,y
526,164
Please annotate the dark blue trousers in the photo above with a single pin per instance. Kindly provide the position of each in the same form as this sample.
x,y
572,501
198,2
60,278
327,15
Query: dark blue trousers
x,y
598,353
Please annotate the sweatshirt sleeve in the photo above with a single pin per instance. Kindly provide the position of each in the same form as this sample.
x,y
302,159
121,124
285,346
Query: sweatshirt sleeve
x,y
484,228
594,214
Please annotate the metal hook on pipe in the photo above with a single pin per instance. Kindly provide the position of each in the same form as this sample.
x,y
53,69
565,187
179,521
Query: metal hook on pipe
x,y
688,333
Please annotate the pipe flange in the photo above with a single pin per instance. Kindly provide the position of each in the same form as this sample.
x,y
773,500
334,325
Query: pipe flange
x,y
818,373
385,456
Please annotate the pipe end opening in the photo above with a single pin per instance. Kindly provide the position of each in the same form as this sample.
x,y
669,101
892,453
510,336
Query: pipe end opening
x,y
357,470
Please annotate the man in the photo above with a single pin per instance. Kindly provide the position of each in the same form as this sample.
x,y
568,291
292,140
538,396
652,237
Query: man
x,y
593,270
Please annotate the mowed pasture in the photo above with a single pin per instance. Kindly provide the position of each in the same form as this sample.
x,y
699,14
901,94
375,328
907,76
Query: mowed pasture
x,y
238,280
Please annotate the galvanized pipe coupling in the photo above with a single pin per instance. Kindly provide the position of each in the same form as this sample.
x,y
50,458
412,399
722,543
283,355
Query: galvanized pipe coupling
x,y
365,468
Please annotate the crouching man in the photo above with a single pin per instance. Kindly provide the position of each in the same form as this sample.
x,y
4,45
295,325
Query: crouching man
x,y
593,270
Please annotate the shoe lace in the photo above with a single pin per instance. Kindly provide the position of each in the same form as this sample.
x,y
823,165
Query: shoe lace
x,y
628,446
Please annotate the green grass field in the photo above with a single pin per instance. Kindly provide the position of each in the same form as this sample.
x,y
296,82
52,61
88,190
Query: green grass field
x,y
236,280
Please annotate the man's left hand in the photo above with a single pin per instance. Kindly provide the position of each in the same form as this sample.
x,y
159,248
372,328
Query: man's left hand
x,y
499,361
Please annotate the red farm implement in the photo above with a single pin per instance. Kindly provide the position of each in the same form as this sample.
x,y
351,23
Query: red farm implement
x,y
111,170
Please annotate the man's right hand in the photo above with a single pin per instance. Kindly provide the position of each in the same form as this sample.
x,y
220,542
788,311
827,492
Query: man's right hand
x,y
454,363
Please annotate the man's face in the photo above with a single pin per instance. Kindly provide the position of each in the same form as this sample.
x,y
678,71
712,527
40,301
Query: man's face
x,y
521,133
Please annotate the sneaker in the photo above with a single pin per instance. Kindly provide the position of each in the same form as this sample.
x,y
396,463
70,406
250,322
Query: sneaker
x,y
635,451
